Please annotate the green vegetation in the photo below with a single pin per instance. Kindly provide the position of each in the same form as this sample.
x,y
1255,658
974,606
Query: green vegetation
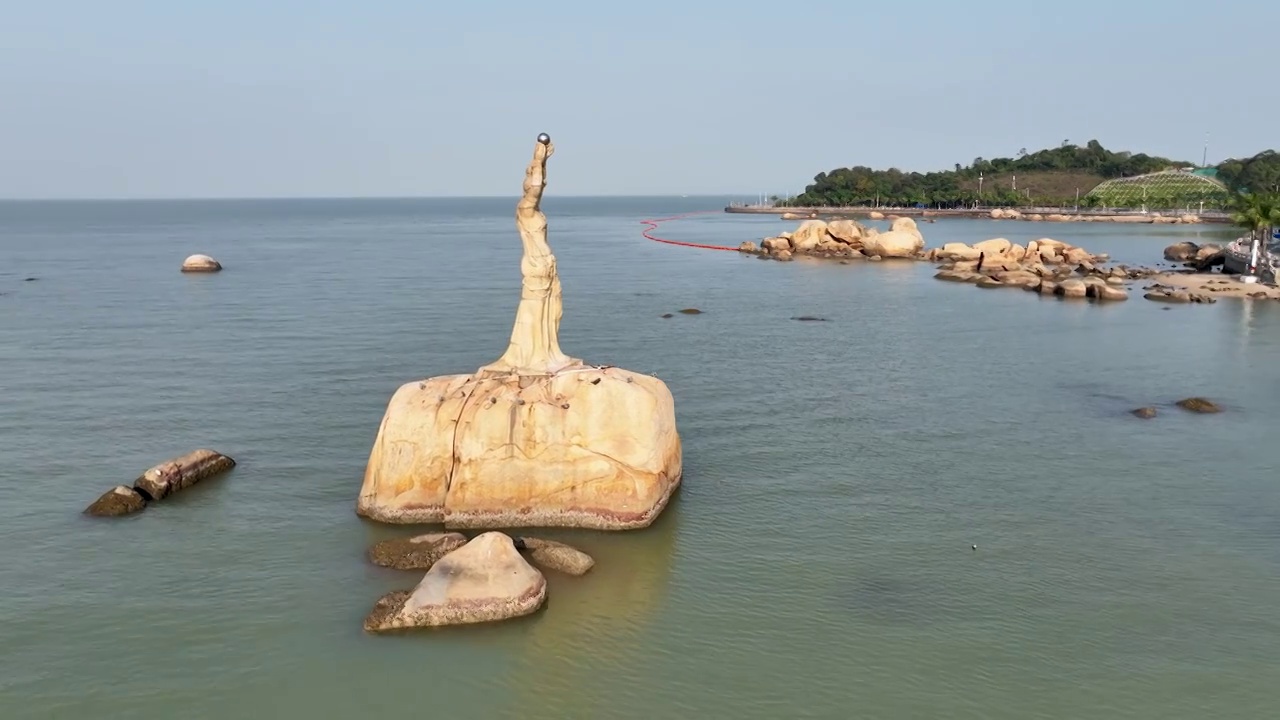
x,y
1056,177
1258,174
1256,213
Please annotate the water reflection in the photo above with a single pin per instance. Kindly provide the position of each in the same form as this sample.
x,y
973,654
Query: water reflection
x,y
585,638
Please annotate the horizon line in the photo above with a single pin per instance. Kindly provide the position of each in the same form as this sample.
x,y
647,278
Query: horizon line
x,y
233,198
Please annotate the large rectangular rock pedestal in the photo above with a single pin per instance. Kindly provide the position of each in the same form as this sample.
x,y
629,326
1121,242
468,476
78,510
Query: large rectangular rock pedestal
x,y
584,447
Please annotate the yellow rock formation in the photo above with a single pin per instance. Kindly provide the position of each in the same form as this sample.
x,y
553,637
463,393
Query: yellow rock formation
x,y
535,439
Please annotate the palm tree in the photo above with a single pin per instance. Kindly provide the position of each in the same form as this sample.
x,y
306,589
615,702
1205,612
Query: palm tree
x,y
1257,214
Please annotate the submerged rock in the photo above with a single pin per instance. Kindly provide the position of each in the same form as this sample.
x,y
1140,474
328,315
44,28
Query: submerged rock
x,y
556,556
691,311
119,500
419,552
1199,405
483,581
1146,413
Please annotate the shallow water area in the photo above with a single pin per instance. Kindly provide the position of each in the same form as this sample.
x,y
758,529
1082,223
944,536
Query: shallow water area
x,y
817,562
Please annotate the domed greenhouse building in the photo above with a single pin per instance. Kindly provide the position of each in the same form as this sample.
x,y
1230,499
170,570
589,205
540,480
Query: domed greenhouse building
x,y
1187,190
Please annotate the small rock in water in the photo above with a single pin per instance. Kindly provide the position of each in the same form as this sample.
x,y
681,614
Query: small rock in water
x,y
1146,413
1199,405
200,263
809,318
691,311
415,553
667,315
180,473
483,581
30,279
556,556
119,500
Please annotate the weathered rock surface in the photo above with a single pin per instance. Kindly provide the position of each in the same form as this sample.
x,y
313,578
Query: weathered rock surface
x,y
1199,405
903,240
119,500
419,552
1046,266
586,447
180,473
485,580
840,239
845,231
555,556
1181,251
200,264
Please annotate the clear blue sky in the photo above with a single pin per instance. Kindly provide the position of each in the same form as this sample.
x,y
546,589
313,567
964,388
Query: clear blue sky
x,y
196,98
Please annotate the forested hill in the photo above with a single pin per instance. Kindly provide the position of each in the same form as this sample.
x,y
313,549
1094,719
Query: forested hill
x,y
1050,177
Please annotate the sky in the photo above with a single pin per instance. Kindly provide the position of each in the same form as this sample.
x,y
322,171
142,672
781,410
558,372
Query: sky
x,y
286,98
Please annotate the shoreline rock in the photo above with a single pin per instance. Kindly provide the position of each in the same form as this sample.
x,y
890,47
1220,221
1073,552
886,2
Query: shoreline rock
x,y
1046,266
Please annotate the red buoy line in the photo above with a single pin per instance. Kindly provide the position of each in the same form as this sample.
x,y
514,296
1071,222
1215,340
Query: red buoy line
x,y
653,225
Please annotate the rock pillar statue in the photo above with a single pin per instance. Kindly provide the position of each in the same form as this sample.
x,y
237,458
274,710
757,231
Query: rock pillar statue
x,y
535,343
536,438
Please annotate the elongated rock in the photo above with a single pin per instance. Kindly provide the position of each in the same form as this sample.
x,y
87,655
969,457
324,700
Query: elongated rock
x,y
555,556
419,552
483,581
119,500
180,473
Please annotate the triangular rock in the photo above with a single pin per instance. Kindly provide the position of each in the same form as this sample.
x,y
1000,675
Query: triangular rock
x,y
483,581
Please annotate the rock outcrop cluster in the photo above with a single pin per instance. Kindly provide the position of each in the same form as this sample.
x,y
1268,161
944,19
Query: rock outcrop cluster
x,y
843,239
1046,266
485,579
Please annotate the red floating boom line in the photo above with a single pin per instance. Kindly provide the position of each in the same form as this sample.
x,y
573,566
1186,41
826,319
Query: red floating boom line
x,y
653,225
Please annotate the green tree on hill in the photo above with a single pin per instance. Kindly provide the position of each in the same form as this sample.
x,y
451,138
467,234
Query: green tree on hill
x,y
1049,177
1258,174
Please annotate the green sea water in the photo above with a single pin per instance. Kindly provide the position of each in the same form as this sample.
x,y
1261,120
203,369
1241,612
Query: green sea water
x,y
818,561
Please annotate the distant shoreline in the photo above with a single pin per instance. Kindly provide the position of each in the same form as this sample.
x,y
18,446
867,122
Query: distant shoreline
x,y
1031,215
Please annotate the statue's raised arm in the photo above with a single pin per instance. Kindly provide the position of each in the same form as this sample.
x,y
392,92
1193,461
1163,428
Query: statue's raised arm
x,y
535,345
